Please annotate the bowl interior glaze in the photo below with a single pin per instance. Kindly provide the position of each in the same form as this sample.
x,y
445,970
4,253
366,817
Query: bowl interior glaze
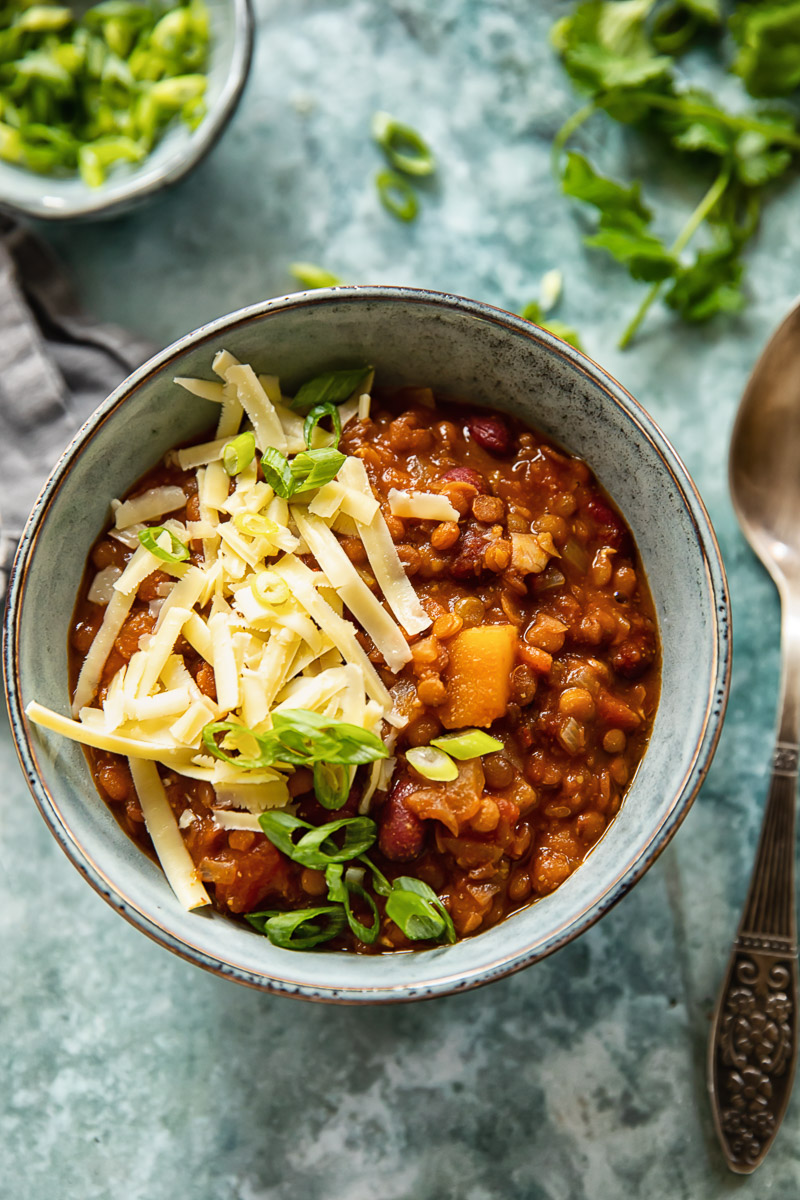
x,y
178,152
468,350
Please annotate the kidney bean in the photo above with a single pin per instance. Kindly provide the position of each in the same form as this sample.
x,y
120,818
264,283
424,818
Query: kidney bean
x,y
633,656
468,563
491,433
611,530
467,475
401,836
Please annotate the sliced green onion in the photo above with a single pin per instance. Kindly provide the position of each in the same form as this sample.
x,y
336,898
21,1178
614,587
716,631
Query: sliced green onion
x,y
269,588
316,847
277,472
298,738
314,468
405,148
312,276
396,195
379,881
334,387
331,784
317,414
91,90
341,887
418,911
468,743
432,763
255,525
239,453
149,538
96,157
300,929
43,18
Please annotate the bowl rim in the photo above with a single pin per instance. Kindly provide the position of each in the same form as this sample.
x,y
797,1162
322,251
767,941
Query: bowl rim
x,y
201,141
702,752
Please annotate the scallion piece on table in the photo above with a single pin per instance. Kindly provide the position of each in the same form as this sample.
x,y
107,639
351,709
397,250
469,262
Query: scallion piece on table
x,y
239,453
468,743
312,276
396,195
406,149
154,539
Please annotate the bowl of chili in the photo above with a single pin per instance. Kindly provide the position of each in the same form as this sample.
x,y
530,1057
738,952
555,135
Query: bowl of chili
x,y
567,577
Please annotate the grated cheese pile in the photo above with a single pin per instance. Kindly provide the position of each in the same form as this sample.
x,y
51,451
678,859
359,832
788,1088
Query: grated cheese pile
x,y
271,628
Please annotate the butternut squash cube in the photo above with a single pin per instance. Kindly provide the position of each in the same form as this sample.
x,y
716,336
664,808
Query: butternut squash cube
x,y
478,676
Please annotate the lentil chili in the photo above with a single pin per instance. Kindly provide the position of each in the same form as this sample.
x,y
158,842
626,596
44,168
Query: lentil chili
x,y
562,666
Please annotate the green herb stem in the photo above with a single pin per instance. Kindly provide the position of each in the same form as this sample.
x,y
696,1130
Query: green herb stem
x,y
566,131
692,108
694,222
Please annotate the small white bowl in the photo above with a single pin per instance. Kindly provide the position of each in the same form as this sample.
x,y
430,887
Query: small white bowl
x,y
468,350
48,198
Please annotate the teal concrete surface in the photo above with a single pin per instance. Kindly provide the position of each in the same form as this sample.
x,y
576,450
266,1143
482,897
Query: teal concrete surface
x,y
128,1074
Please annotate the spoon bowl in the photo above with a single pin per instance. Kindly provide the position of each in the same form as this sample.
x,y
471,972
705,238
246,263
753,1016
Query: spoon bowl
x,y
765,450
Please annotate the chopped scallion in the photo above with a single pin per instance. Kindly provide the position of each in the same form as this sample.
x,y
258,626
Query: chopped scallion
x,y
239,453
269,588
314,468
432,763
312,276
334,387
317,847
418,911
406,150
300,929
468,743
396,195
152,538
277,472
317,414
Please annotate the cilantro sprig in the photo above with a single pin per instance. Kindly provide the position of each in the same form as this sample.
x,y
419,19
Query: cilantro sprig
x,y
622,54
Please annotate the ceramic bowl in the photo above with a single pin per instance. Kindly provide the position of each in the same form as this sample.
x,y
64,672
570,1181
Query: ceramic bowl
x,y
24,193
413,337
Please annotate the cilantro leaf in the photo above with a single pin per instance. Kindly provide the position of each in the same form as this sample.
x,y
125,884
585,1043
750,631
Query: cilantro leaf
x,y
612,199
676,24
645,256
604,45
711,285
768,35
624,219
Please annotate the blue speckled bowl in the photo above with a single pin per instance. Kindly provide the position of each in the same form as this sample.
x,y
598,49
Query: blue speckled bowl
x,y
465,348
25,193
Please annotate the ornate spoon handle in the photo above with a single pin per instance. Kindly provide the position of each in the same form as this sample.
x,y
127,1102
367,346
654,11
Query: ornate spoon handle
x,y
753,1049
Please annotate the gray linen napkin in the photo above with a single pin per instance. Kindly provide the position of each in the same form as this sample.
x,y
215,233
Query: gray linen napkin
x,y
57,366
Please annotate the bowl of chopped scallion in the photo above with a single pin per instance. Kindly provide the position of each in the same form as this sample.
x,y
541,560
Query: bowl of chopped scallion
x,y
104,105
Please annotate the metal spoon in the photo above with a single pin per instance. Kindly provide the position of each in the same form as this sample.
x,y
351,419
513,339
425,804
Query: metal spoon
x,y
753,1048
